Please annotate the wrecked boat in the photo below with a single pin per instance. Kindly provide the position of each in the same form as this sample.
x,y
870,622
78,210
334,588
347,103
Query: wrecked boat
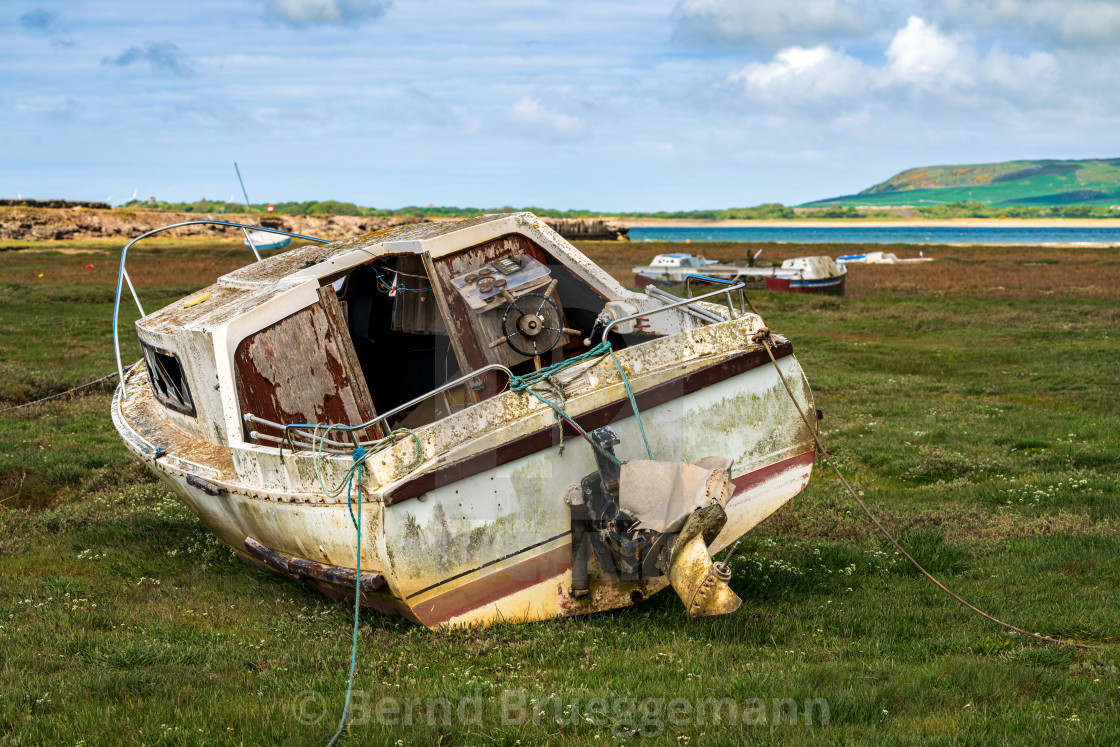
x,y
534,440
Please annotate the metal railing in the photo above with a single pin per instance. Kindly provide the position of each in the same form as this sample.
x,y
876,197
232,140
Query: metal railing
x,y
720,281
704,315
296,434
123,278
687,302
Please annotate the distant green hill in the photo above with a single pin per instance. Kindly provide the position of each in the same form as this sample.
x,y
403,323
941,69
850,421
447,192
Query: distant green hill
x,y
1043,183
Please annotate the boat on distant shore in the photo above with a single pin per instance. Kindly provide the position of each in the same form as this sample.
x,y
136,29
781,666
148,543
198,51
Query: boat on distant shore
x,y
880,258
675,267
264,240
803,275
799,274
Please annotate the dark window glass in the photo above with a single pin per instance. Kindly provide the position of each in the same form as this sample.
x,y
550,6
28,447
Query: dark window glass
x,y
168,382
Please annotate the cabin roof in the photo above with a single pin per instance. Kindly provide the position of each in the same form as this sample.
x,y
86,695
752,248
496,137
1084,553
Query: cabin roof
x,y
239,291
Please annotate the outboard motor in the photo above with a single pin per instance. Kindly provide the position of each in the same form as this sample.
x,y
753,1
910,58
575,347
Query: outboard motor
x,y
648,519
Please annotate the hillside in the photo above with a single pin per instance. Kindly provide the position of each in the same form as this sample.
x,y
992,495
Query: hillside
x,y
1039,183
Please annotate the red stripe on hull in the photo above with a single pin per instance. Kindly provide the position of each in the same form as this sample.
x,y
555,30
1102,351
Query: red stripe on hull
x,y
752,480
786,284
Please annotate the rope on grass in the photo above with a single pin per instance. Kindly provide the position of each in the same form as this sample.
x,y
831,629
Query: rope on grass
x,y
763,336
359,456
68,391
354,476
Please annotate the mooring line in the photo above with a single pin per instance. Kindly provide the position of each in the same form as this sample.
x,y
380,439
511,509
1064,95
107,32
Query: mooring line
x,y
68,391
763,336
359,457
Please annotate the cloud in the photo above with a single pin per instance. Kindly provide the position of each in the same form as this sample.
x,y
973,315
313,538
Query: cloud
x,y
1067,23
766,24
532,117
803,74
1031,75
416,105
326,12
39,20
922,56
217,112
161,56
68,112
920,64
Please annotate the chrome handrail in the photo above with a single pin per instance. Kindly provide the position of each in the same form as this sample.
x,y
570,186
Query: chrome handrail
x,y
700,313
122,275
666,307
352,429
708,279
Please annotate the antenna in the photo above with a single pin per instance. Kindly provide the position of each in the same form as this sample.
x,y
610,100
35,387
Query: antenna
x,y
242,183
243,230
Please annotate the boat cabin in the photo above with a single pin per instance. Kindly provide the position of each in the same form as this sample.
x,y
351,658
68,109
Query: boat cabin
x,y
678,259
812,267
351,331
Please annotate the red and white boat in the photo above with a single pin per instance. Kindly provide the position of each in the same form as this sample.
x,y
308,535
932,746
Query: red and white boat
x,y
804,275
454,361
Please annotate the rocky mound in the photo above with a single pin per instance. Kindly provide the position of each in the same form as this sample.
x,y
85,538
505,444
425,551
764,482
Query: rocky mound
x,y
20,223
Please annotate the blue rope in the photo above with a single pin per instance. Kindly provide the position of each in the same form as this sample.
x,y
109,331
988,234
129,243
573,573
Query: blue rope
x,y
526,382
359,457
633,403
521,383
387,286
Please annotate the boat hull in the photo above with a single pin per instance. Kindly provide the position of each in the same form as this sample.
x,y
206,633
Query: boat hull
x,y
492,541
832,286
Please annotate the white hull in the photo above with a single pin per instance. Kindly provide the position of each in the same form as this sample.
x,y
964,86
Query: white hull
x,y
497,544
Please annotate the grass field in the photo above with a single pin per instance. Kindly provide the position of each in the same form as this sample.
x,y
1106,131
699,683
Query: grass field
x,y
973,401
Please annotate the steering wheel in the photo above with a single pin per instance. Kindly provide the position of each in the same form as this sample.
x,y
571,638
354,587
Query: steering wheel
x,y
532,324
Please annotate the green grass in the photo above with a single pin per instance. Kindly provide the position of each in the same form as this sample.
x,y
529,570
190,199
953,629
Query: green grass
x,y
984,432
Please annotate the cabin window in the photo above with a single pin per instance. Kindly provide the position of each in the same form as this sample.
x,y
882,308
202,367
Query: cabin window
x,y
169,384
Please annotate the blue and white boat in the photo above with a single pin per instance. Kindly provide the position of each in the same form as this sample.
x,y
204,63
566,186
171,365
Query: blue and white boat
x,y
263,240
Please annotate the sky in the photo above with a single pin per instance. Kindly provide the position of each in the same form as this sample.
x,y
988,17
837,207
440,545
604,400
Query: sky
x,y
604,105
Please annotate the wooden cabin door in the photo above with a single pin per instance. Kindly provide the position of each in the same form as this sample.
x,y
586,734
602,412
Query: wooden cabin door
x,y
303,369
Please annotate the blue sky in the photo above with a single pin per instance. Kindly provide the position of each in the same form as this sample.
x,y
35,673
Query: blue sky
x,y
606,105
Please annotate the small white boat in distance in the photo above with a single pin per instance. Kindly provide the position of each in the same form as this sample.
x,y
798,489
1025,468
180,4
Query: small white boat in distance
x,y
879,258
675,267
803,275
264,240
